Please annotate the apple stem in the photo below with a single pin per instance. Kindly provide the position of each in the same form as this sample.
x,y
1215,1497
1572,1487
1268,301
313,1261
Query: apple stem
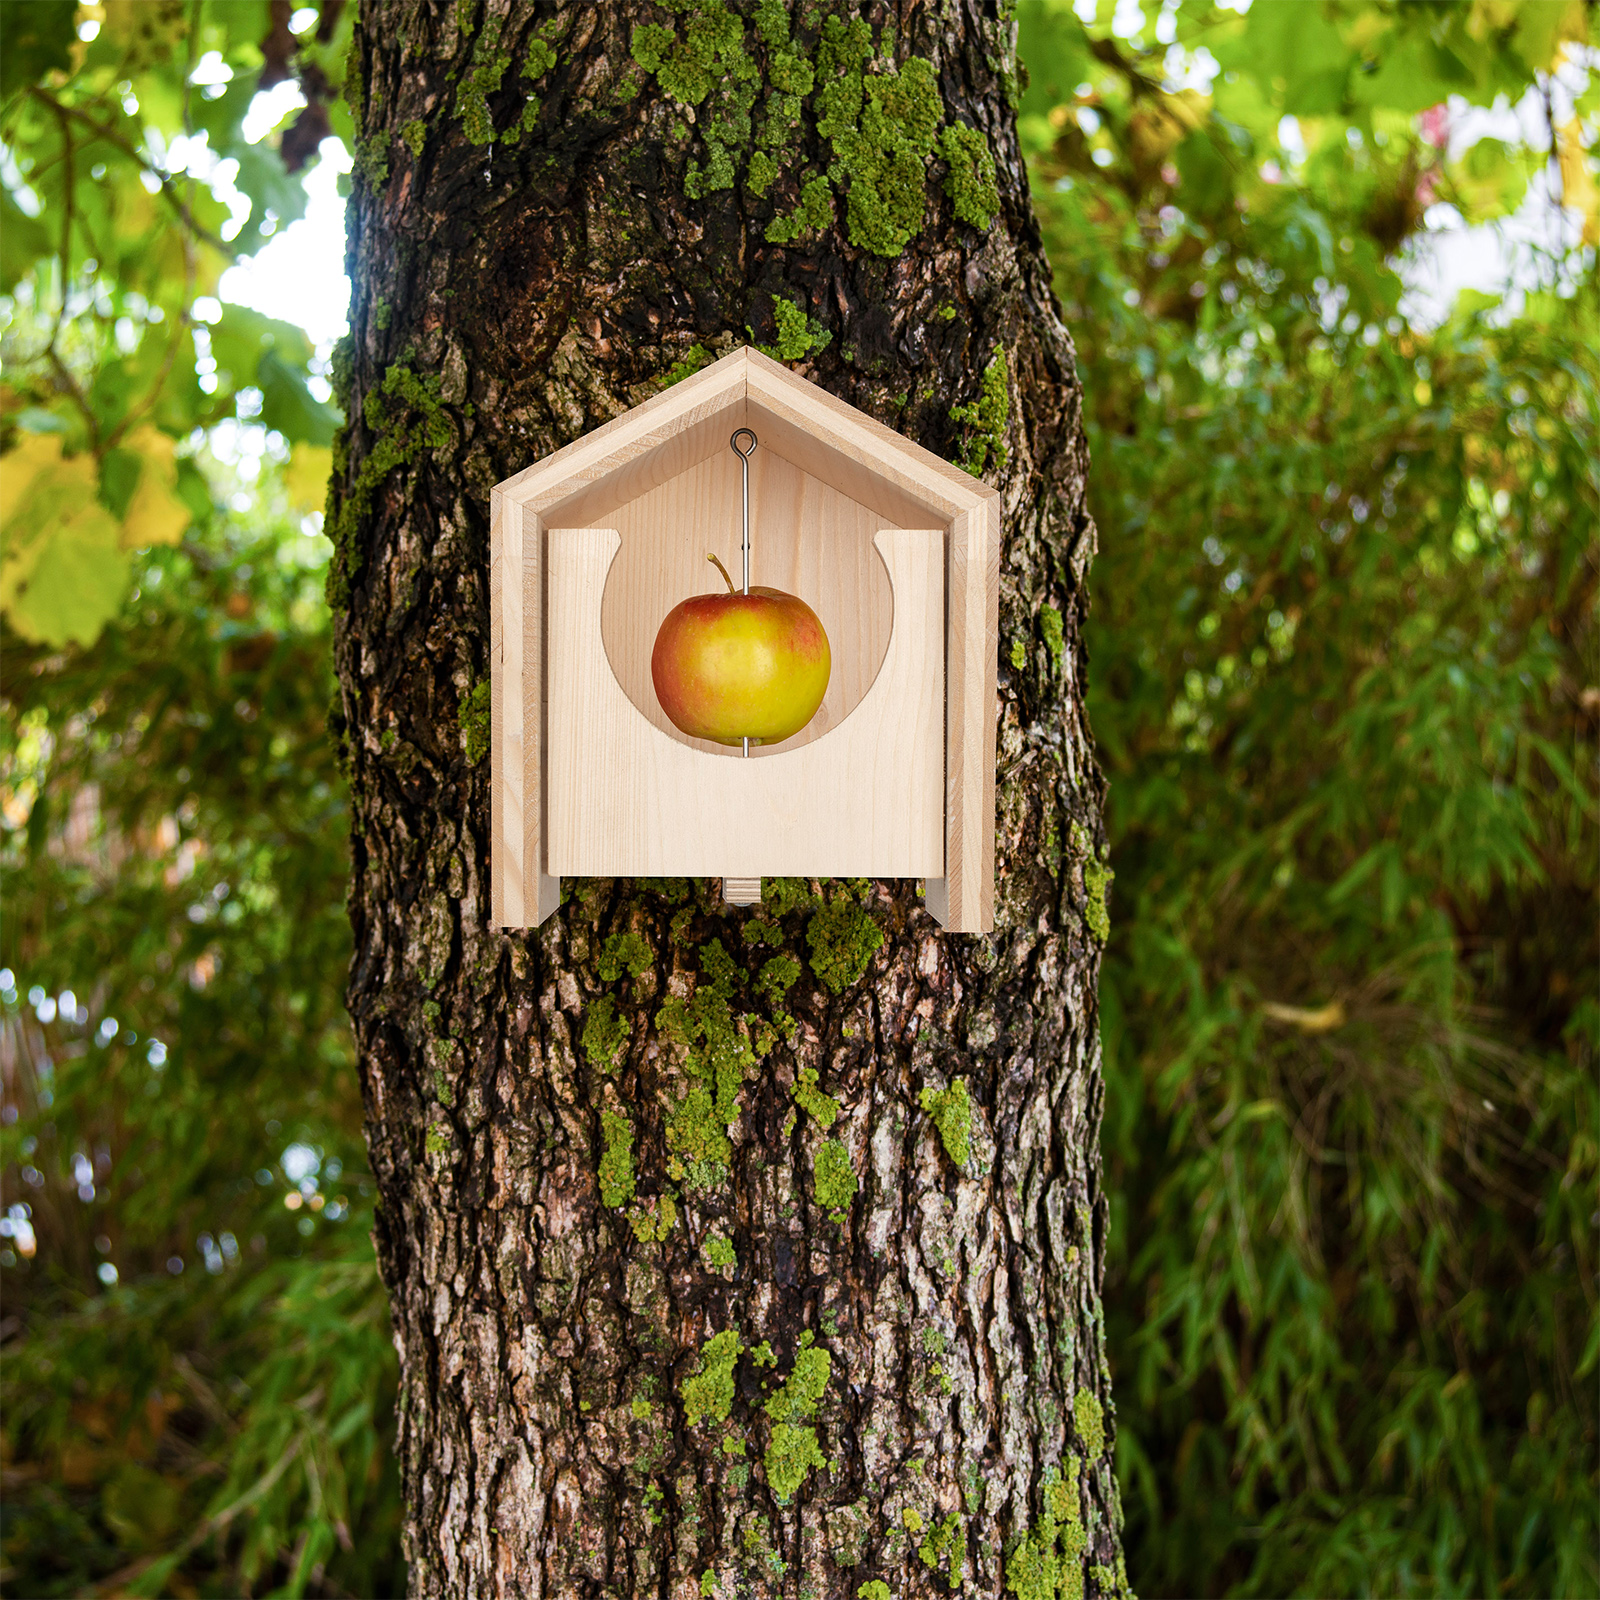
x,y
723,570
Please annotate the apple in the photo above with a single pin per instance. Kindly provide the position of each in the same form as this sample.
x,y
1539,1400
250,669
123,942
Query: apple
x,y
737,666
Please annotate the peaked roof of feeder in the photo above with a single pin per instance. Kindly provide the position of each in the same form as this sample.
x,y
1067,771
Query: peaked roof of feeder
x,y
797,419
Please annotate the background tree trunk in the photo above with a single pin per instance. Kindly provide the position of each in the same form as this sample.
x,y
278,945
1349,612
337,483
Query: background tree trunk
x,y
645,1350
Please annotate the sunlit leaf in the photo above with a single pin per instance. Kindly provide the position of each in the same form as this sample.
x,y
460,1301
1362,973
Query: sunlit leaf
x,y
306,478
62,574
155,514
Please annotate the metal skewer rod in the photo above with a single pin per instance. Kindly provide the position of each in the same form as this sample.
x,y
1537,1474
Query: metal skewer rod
x,y
744,546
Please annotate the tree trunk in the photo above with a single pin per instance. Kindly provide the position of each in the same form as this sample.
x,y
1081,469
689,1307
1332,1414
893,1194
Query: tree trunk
x,y
734,1251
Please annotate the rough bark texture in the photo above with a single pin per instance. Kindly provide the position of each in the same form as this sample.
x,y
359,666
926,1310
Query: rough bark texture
x,y
651,1342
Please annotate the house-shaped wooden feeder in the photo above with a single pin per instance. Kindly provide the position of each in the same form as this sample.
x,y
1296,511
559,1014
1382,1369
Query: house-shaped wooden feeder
x,y
897,552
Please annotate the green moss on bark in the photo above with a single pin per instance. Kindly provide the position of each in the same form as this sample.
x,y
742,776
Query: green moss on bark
x,y
824,1108
1050,625
970,178
798,334
881,128
474,717
487,68
605,1032
1091,1423
833,1179
616,1163
718,1059
792,1454
843,939
624,952
653,1219
706,65
792,1451
694,358
540,58
1047,1562
777,977
405,416
951,1111
709,1392
1096,912
812,215
946,1546
986,418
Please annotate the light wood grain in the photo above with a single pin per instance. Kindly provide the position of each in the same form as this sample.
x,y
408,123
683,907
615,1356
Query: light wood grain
x,y
866,800
509,646
541,892
871,463
809,540
505,910
964,898
629,441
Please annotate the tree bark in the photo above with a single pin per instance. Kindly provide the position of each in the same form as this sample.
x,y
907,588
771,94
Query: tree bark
x,y
645,1350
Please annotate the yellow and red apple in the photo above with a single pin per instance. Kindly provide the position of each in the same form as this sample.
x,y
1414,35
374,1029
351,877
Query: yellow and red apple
x,y
736,666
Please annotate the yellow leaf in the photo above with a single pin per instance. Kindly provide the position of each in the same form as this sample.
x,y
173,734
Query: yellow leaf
x,y
1490,16
155,514
61,574
1578,190
1321,1019
20,468
306,477
1158,125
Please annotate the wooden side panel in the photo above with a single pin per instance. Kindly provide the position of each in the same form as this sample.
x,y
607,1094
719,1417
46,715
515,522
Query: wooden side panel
x,y
541,893
497,692
964,901
866,800
506,780
807,539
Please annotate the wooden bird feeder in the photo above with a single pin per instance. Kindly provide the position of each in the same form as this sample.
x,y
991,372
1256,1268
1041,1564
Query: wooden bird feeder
x,y
896,550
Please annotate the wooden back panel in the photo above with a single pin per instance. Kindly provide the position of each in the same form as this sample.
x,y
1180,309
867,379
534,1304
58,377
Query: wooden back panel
x,y
623,799
807,539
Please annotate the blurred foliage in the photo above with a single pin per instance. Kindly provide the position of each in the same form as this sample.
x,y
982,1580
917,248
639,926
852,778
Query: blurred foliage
x,y
198,1375
130,182
1343,678
1345,684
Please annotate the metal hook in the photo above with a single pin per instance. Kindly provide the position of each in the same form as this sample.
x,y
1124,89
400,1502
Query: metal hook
x,y
744,543
744,463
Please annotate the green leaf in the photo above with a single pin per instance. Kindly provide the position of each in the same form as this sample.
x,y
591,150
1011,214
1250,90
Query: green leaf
x,y
241,337
23,241
1207,177
36,37
289,406
1051,40
71,578
1489,180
